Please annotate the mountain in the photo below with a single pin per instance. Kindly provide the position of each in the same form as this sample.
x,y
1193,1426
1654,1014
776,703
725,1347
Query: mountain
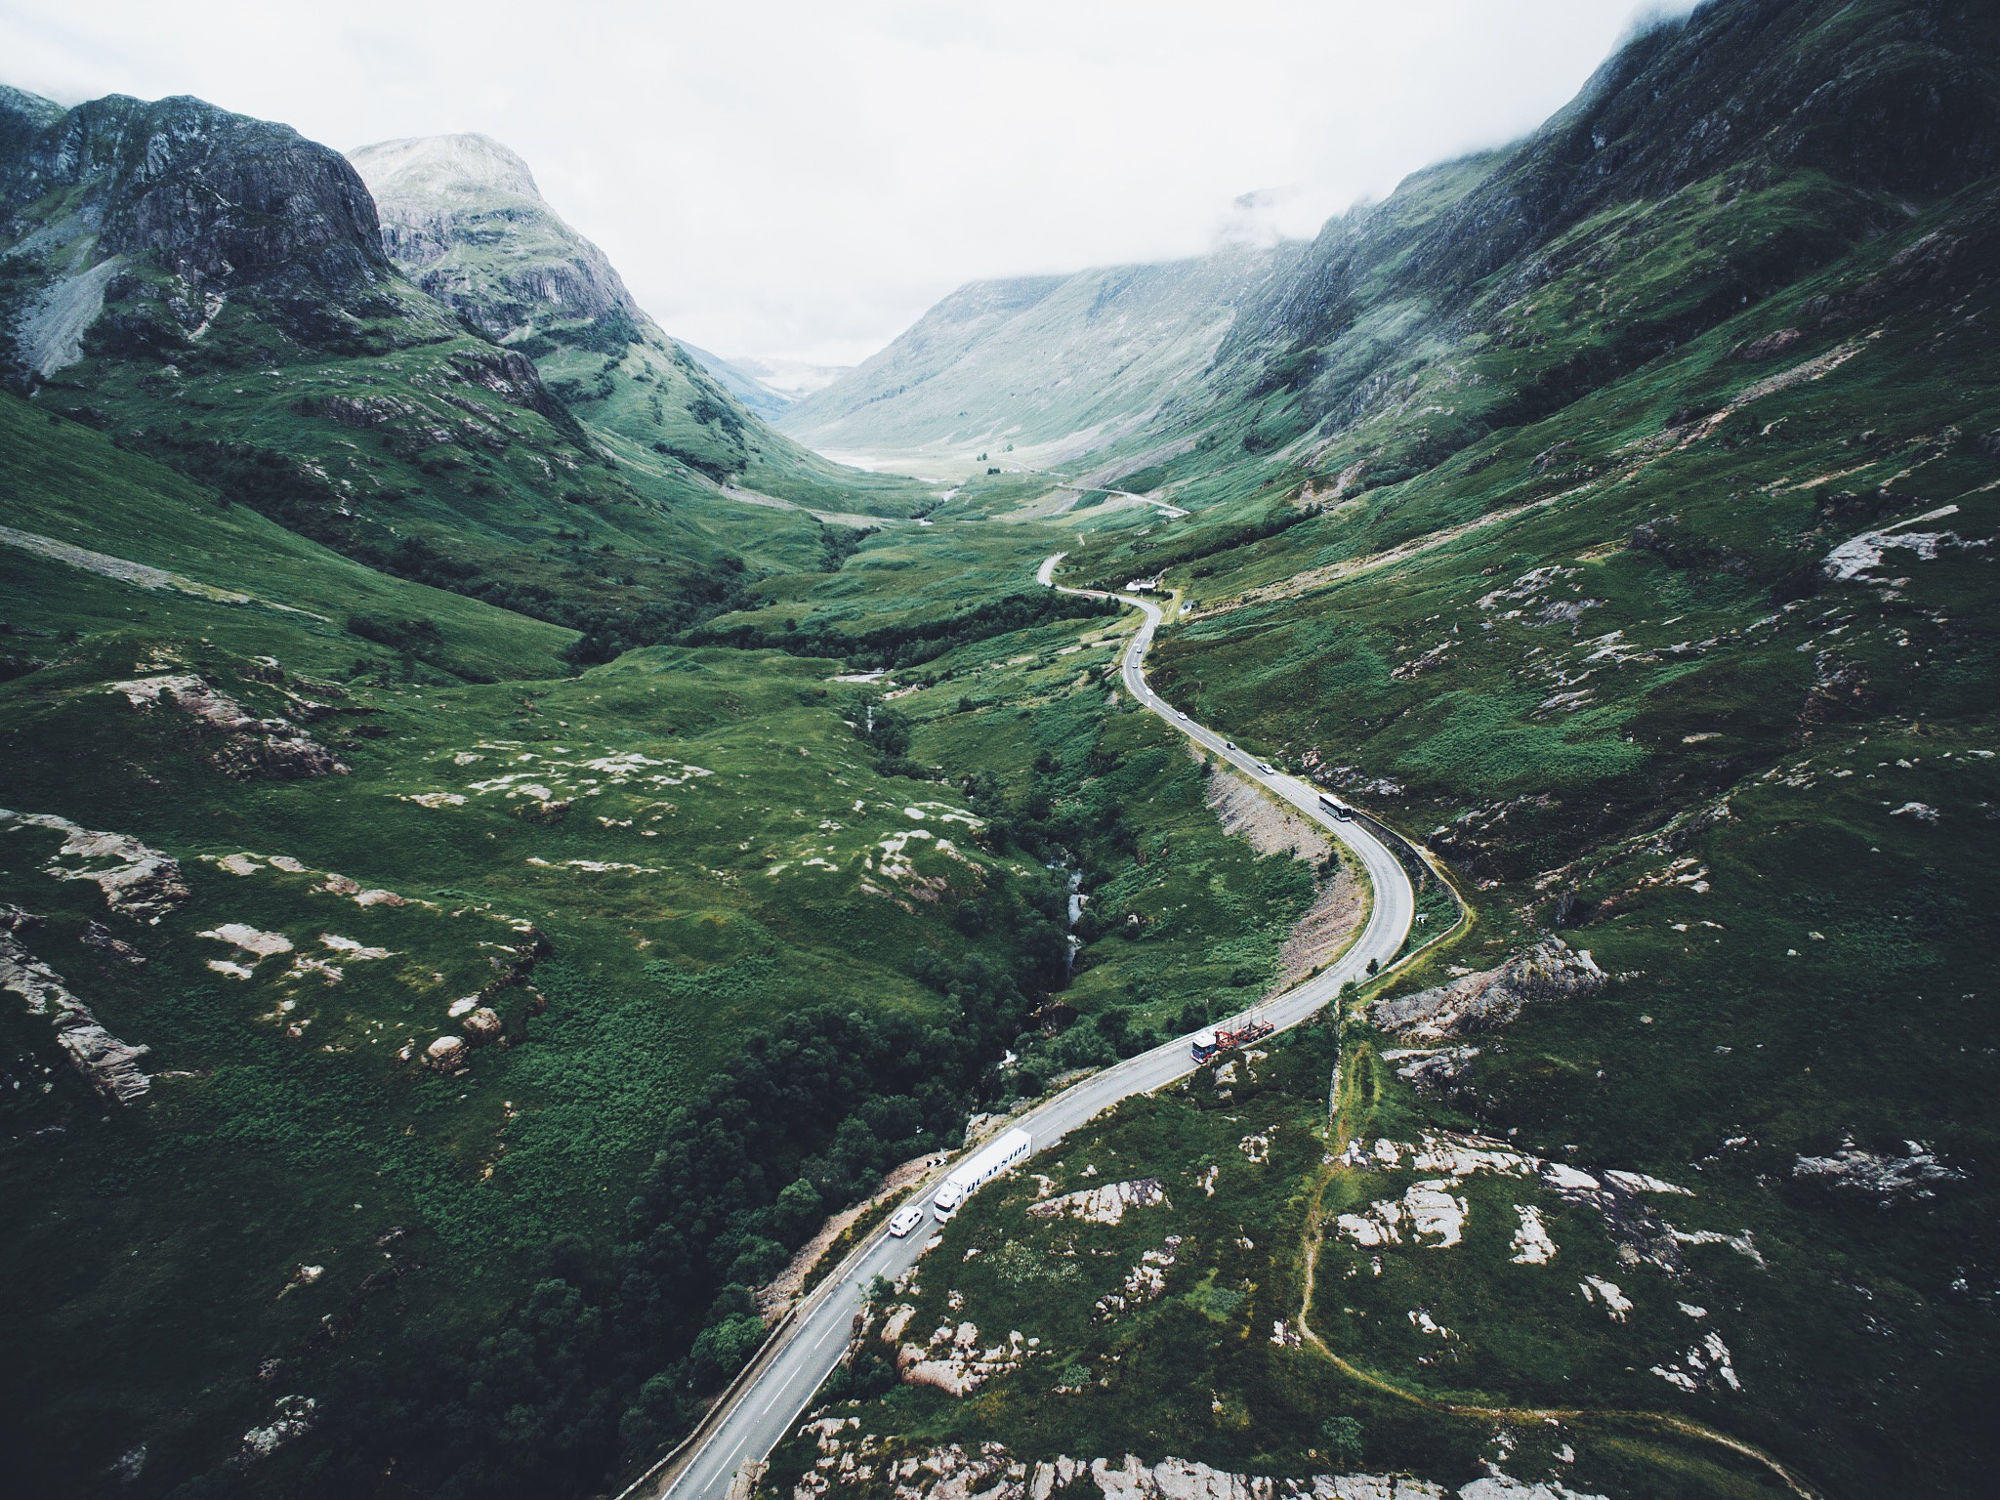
x,y
1794,136
163,212
463,219
1708,163
216,289
766,401
476,922
769,387
793,378
1056,364
1613,515
393,897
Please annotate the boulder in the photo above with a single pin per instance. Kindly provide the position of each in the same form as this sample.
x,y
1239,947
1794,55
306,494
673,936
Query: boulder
x,y
482,1026
446,1054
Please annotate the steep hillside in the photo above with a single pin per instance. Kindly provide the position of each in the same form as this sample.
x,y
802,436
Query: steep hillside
x,y
462,217
430,1027
1713,161
766,401
214,289
362,965
1616,514
379,959
1049,366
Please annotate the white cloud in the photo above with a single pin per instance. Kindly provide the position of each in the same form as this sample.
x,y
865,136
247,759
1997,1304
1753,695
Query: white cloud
x,y
804,177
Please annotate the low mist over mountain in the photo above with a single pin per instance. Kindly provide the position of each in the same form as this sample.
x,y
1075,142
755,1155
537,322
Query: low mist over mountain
x,y
1061,363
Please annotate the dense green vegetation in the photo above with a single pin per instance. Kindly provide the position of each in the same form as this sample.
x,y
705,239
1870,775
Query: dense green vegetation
x,y
1212,1364
1626,535
1553,515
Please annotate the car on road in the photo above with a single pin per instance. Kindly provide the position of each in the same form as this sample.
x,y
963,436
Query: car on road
x,y
907,1218
1182,713
1267,768
1231,744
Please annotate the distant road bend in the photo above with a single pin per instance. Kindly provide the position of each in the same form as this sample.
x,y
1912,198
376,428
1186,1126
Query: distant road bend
x,y
761,1406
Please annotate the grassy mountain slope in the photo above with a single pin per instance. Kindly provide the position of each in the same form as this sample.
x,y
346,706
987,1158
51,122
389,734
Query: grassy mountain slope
x,y
766,401
462,217
1616,513
637,872
1052,365
298,789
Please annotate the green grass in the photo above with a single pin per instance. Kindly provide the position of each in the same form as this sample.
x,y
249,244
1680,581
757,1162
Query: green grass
x,y
1627,688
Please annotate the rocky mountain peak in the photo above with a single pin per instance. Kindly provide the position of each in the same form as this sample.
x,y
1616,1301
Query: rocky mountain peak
x,y
462,217
424,172
215,195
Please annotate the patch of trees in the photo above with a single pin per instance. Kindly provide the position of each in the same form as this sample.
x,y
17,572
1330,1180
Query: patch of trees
x,y
1193,546
718,469
908,643
603,1364
839,543
887,732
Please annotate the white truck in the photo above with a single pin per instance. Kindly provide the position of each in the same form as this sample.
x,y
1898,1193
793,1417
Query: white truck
x,y
989,1161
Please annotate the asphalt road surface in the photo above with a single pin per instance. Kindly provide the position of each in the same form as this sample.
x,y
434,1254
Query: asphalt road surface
x,y
762,1406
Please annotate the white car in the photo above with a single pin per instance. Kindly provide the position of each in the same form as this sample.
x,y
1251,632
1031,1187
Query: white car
x,y
1183,714
907,1219
1267,768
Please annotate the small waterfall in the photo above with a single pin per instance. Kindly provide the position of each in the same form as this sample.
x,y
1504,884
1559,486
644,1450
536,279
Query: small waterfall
x,y
1076,900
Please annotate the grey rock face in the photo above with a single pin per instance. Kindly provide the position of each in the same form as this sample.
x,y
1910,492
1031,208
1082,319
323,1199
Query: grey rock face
x,y
446,202
1551,970
219,198
109,1065
137,881
241,745
1887,1179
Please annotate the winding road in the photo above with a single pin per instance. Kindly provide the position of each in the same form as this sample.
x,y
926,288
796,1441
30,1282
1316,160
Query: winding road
x,y
762,1404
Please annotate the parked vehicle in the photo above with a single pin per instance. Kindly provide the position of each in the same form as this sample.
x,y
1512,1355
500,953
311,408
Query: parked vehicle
x,y
1222,1039
907,1218
995,1157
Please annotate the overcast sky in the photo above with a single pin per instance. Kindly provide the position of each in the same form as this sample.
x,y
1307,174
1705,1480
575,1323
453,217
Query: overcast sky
x,y
802,178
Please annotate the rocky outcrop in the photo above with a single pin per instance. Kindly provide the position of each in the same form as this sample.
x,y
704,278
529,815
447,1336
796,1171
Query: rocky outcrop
x,y
1103,1205
137,882
482,1026
109,1065
217,196
1472,1003
1430,1208
954,1361
1886,1180
242,745
1145,1282
101,939
441,196
990,1472
223,204
1442,1071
